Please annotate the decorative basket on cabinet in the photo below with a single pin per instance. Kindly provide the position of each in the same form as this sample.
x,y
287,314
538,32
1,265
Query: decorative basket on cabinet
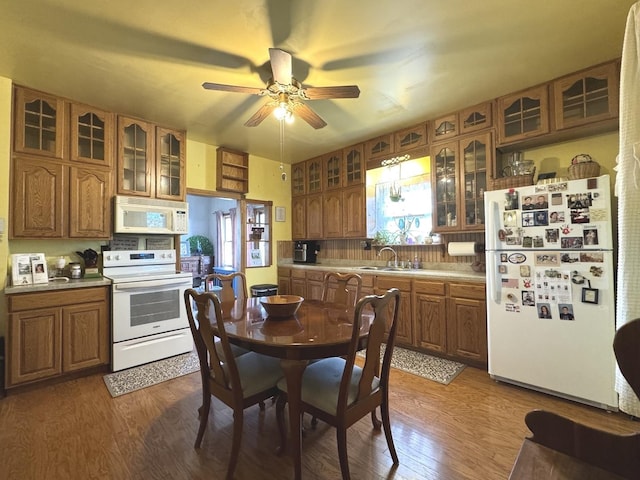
x,y
584,170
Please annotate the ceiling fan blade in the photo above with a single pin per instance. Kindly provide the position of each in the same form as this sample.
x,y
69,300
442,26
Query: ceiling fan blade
x,y
308,115
321,93
262,113
232,88
280,65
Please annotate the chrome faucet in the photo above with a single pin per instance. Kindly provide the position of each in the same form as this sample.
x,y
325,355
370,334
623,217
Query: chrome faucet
x,y
395,255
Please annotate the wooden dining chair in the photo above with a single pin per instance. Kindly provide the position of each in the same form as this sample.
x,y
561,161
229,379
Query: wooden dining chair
x,y
335,288
228,296
226,281
239,382
339,392
612,452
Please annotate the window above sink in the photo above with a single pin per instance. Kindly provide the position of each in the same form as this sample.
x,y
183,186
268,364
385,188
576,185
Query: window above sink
x,y
399,206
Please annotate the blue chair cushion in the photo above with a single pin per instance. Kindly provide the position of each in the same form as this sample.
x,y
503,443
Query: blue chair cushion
x,y
321,384
257,372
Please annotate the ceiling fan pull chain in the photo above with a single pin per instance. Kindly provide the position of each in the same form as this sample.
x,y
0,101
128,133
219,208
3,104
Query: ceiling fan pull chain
x,y
283,174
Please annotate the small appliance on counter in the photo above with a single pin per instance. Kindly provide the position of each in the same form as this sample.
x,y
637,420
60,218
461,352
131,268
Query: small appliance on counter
x,y
305,251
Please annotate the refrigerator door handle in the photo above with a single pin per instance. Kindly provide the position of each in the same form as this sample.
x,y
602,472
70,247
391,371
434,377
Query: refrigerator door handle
x,y
494,282
494,215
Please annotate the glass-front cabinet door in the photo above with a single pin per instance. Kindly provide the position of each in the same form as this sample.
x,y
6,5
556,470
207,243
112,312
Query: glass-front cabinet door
x,y
354,171
476,157
135,154
39,122
91,135
444,187
170,181
257,233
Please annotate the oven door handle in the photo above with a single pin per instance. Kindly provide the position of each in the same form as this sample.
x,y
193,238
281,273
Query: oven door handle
x,y
147,284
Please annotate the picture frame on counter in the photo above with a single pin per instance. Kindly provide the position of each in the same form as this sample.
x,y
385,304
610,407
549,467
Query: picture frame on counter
x,y
28,268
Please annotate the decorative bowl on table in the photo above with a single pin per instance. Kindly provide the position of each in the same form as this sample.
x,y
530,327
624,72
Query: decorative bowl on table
x,y
281,305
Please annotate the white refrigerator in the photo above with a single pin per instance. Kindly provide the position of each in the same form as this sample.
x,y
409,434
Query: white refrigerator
x,y
550,294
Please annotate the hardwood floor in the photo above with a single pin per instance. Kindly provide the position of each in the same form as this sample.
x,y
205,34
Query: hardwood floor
x,y
469,429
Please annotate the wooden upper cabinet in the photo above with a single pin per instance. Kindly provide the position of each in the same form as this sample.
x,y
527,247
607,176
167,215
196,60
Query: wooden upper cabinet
x,y
379,148
298,218
313,175
523,115
39,123
587,96
298,186
232,170
332,170
90,203
38,199
445,127
411,138
444,178
354,215
91,135
476,118
135,157
354,166
314,218
170,164
332,214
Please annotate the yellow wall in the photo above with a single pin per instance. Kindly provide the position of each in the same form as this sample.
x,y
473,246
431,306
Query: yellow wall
x,y
5,155
265,184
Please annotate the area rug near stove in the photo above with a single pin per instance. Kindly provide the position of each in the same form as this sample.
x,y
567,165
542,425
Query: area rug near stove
x,y
132,379
427,366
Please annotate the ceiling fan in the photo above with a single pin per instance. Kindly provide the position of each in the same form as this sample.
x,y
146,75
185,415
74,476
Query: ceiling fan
x,y
286,94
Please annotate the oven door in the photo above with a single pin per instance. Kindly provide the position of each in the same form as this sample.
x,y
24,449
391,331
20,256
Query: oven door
x,y
148,307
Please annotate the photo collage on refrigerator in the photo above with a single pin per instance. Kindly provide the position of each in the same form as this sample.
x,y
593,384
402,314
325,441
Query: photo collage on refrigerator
x,y
553,240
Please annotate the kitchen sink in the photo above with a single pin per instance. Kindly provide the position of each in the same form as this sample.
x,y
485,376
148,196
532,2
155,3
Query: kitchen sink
x,y
384,269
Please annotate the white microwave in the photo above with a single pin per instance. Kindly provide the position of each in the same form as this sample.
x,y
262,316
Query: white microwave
x,y
150,215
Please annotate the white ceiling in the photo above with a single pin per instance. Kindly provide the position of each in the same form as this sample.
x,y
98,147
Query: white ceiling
x,y
412,59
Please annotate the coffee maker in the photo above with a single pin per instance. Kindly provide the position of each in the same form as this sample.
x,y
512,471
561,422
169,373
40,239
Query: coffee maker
x,y
305,251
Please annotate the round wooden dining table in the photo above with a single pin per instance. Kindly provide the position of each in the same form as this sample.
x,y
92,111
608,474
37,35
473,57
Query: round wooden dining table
x,y
317,330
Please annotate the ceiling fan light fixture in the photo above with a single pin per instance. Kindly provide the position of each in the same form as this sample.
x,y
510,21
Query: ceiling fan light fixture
x,y
283,112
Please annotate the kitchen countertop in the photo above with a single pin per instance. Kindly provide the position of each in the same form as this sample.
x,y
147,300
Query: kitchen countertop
x,y
461,272
58,285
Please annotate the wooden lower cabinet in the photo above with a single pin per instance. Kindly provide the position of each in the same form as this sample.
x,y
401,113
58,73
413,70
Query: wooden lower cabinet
x,y
284,281
404,335
467,322
298,282
56,332
438,317
315,284
430,316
